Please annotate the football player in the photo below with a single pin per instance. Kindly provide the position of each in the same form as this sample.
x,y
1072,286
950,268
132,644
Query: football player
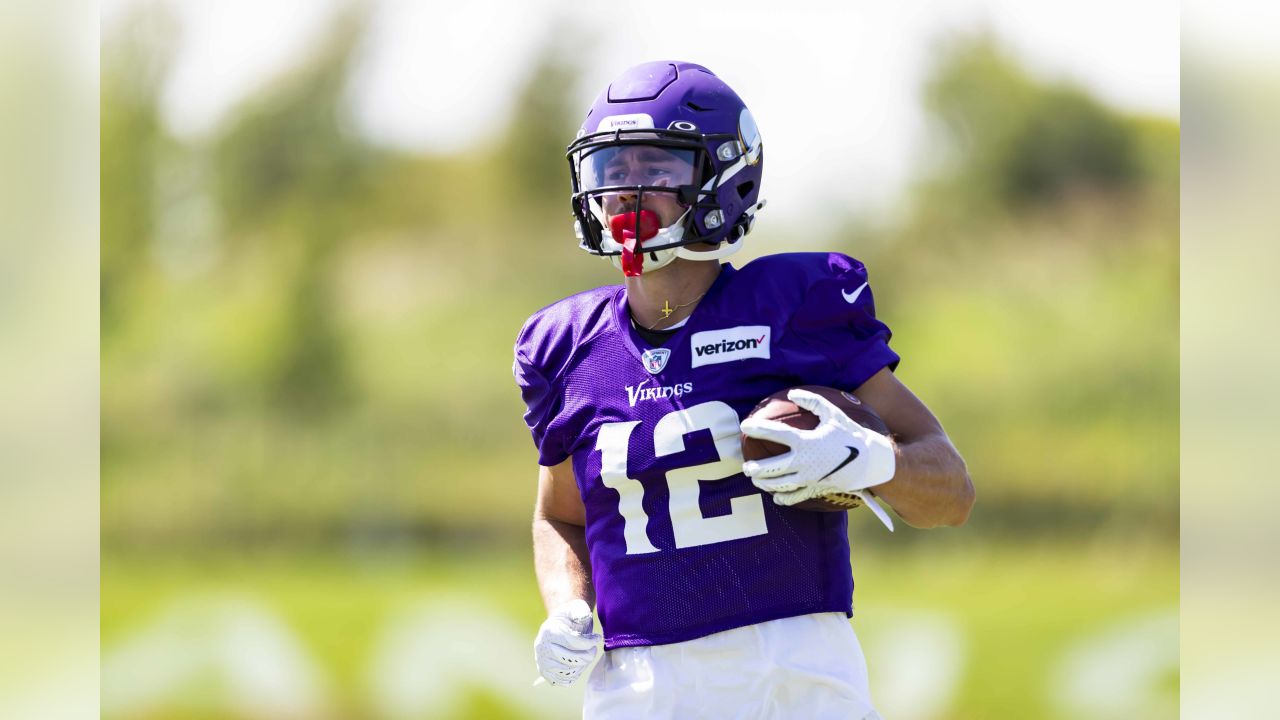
x,y
717,597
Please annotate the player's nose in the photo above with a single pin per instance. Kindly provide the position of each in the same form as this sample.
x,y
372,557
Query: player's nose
x,y
627,201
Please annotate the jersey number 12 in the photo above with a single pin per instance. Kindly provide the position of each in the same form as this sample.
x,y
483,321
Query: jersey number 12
x,y
746,517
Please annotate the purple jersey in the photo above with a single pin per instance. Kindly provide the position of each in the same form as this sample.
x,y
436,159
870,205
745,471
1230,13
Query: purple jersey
x,y
682,544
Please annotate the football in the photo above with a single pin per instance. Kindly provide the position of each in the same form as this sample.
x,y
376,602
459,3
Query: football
x,y
778,407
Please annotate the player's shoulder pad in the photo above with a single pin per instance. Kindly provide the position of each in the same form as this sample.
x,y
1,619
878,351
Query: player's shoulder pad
x,y
797,272
788,279
547,341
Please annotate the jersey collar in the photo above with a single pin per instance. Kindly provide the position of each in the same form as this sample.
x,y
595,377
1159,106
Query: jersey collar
x,y
635,344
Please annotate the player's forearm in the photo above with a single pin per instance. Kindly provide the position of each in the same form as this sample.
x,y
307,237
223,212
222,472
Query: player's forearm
x,y
561,562
931,485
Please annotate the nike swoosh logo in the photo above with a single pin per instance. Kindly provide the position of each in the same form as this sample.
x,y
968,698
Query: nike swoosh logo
x,y
852,297
853,453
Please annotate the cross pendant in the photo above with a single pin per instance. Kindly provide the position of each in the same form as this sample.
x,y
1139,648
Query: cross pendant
x,y
666,309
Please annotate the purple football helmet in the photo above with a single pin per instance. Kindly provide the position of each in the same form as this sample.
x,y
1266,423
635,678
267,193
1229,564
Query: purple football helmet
x,y
676,133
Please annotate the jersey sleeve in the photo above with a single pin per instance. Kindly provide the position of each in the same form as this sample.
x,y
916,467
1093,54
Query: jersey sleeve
x,y
836,321
542,400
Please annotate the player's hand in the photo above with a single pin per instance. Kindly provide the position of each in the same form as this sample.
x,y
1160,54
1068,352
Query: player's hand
x,y
837,456
566,644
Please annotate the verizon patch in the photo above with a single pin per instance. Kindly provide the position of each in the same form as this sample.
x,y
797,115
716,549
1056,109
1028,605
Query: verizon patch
x,y
737,343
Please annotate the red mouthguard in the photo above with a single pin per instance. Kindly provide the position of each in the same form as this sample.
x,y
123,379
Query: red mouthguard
x,y
624,229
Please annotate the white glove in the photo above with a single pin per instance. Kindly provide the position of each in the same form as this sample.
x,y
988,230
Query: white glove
x,y
566,644
837,456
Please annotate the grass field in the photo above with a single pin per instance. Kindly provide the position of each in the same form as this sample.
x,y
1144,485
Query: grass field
x,y
989,631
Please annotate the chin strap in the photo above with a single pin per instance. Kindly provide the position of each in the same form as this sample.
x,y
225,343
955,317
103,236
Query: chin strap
x,y
631,260
726,248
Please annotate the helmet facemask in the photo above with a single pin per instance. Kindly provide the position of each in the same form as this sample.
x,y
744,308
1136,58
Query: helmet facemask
x,y
636,193
680,108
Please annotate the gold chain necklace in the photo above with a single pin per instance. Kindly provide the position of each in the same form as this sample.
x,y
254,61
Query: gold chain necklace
x,y
667,310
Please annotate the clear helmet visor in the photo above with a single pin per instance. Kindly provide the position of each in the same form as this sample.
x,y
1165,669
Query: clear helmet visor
x,y
626,167
632,165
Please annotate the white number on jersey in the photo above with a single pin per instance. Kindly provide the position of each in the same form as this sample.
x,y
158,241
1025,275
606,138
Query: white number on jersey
x,y
746,517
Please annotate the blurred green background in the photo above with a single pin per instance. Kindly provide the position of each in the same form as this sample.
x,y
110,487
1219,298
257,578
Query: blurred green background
x,y
316,486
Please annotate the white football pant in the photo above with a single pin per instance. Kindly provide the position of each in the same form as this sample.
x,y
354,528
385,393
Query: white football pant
x,y
809,666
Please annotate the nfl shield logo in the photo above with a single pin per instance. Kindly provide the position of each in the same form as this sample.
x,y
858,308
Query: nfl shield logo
x,y
655,359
